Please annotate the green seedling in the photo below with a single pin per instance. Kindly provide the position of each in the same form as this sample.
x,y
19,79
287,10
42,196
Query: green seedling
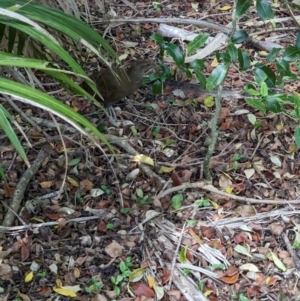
x,y
95,286
125,273
142,199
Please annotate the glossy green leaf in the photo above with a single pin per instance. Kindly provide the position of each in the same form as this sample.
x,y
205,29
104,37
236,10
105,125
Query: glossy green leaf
x,y
241,7
257,104
264,89
260,76
271,57
157,87
197,43
239,36
197,65
271,76
291,53
264,10
217,76
243,60
273,104
176,54
201,78
233,52
225,56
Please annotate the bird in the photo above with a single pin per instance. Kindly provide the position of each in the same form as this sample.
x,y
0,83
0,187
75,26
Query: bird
x,y
116,83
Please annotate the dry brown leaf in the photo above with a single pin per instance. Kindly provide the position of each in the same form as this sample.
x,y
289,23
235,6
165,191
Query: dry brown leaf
x,y
114,249
141,289
276,228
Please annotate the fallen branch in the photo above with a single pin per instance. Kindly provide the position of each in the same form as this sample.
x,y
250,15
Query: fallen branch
x,y
203,186
21,187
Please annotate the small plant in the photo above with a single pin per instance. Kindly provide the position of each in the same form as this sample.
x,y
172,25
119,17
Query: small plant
x,y
110,226
106,189
142,199
240,297
176,201
156,6
202,202
125,210
125,273
236,157
95,286
201,286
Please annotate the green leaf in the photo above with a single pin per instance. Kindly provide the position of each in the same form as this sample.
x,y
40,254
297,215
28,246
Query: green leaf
x,y
37,98
298,40
225,56
176,201
243,60
241,7
10,133
47,40
233,52
273,104
242,250
239,36
197,65
2,173
12,33
257,104
252,118
157,38
271,57
140,193
65,23
175,52
283,66
277,262
201,78
157,87
271,76
218,266
137,275
197,43
260,76
217,76
168,143
264,10
291,54
251,89
297,135
264,89
74,162
203,202
182,254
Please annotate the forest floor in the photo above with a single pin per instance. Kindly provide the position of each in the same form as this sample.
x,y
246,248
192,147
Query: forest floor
x,y
143,224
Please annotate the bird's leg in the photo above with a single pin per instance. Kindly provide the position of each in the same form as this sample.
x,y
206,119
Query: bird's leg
x,y
112,112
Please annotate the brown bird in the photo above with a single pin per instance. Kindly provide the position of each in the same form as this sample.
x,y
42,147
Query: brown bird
x,y
116,83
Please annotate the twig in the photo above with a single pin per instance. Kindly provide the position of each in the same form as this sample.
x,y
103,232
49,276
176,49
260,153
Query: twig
x,y
168,286
202,185
21,187
49,224
292,252
66,157
127,147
